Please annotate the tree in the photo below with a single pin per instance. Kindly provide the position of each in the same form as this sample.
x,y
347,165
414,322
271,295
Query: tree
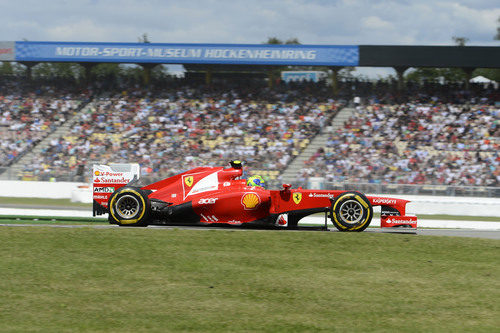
x,y
490,73
277,41
436,74
292,41
134,72
160,72
62,70
107,73
273,41
497,36
6,68
440,74
144,38
275,71
423,74
460,41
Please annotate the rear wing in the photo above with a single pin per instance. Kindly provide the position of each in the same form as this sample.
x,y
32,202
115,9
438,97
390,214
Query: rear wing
x,y
106,179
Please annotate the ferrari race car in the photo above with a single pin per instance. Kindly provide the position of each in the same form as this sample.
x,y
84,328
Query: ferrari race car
x,y
217,195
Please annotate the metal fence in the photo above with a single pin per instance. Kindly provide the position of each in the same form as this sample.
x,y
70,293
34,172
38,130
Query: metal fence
x,y
6,174
444,190
84,175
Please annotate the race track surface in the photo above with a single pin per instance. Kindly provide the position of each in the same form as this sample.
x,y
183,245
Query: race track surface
x,y
489,234
477,229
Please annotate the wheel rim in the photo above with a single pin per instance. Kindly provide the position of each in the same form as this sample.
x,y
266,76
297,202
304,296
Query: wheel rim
x,y
127,206
351,212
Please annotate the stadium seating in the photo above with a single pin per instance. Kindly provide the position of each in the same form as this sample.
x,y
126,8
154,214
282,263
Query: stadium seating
x,y
170,134
435,136
29,115
441,144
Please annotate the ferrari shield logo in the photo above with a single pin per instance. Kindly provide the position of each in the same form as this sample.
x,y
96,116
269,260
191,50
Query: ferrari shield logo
x,y
297,197
189,181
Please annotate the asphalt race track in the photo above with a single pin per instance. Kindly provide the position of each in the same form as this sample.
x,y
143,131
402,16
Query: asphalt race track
x,y
477,229
490,234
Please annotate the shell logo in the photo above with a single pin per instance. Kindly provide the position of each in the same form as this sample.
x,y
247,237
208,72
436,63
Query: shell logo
x,y
97,173
250,201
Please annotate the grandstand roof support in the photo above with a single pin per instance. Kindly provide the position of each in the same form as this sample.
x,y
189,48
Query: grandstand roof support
x,y
468,75
271,75
335,79
146,74
29,65
208,77
400,70
87,66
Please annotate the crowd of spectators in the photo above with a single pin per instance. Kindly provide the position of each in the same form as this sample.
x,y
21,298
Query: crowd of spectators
x,y
174,130
438,134
387,92
28,115
413,143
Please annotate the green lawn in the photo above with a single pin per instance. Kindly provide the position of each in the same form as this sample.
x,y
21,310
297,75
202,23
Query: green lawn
x,y
30,219
158,280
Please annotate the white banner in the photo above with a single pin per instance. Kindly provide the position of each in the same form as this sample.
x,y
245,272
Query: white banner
x,y
7,50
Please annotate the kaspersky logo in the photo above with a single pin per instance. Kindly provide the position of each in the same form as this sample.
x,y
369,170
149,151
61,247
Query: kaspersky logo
x,y
297,197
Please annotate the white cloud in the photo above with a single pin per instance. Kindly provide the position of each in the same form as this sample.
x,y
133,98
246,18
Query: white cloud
x,y
312,22
375,22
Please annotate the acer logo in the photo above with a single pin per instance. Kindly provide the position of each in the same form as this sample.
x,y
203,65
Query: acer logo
x,y
207,201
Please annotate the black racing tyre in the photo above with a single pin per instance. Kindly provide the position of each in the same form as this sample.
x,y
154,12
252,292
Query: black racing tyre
x,y
351,211
129,206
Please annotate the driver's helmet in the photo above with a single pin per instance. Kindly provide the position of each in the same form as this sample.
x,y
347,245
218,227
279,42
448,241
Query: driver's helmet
x,y
256,181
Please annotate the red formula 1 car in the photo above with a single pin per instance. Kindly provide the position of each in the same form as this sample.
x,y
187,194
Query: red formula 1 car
x,y
217,195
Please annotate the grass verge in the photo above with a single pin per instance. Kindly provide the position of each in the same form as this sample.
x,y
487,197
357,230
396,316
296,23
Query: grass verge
x,y
158,280
21,219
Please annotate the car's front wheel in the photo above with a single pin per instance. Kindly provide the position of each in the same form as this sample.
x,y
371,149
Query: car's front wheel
x,y
351,211
129,206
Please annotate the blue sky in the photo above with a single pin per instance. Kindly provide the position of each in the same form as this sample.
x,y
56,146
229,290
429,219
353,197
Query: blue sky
x,y
351,22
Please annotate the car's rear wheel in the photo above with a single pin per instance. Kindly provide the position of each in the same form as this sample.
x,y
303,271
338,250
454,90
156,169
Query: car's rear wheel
x,y
129,206
351,211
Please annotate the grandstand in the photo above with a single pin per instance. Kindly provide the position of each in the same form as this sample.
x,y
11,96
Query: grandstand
x,y
425,136
29,116
285,134
180,129
431,144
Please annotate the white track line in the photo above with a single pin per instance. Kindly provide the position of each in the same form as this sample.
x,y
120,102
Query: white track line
x,y
45,212
422,223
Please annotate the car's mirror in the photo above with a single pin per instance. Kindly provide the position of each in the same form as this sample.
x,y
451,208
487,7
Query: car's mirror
x,y
286,187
